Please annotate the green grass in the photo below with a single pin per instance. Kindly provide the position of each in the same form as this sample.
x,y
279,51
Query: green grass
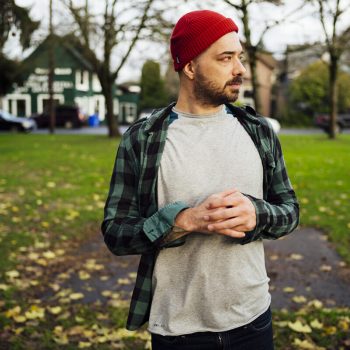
x,y
52,192
320,172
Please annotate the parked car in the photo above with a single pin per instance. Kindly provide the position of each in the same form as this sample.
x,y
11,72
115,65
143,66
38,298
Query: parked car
x,y
66,117
343,122
12,123
276,126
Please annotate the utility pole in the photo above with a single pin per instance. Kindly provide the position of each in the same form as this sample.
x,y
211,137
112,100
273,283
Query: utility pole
x,y
51,74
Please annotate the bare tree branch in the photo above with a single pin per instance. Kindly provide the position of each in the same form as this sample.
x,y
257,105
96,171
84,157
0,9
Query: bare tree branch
x,y
136,37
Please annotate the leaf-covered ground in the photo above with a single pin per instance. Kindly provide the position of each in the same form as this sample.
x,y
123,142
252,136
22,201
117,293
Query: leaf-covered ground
x,y
52,191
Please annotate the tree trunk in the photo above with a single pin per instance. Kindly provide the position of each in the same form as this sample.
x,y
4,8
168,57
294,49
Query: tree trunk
x,y
113,130
252,50
255,83
333,75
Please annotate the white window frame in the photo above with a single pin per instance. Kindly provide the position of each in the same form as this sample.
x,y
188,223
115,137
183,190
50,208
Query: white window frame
x,y
42,97
13,98
96,85
82,80
131,111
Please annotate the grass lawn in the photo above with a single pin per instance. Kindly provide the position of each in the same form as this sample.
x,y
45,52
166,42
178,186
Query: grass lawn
x,y
52,192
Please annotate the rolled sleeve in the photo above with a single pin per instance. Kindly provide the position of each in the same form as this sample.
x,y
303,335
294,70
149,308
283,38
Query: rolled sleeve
x,y
162,221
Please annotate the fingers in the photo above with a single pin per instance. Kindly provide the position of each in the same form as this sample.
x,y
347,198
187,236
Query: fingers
x,y
232,233
226,224
226,201
222,214
218,197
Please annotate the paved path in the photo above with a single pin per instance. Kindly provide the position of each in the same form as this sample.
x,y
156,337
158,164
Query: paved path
x,y
306,262
302,264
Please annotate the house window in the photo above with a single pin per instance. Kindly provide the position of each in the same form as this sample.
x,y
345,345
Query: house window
x,y
128,112
82,80
96,86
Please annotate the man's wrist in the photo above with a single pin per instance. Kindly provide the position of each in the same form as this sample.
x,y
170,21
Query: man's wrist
x,y
182,221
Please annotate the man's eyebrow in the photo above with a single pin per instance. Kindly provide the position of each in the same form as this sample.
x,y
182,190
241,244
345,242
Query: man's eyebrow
x,y
231,53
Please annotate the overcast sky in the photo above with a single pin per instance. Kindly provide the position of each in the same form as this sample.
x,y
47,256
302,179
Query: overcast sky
x,y
301,28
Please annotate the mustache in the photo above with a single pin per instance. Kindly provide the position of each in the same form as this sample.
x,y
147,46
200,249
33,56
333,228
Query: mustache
x,y
235,81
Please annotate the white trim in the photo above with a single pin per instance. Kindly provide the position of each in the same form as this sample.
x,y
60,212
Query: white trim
x,y
130,109
96,85
42,97
13,98
82,80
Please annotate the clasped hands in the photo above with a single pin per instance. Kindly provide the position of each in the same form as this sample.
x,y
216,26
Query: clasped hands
x,y
228,213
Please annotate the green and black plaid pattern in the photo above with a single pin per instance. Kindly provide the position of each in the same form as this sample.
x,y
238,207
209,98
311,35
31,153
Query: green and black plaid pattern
x,y
133,224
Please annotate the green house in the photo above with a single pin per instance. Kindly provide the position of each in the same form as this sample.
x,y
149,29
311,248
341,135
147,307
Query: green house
x,y
75,84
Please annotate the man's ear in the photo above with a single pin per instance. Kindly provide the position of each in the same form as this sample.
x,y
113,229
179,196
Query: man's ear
x,y
189,70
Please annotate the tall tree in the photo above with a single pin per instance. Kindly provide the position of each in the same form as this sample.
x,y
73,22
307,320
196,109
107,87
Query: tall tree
x,y
153,94
337,41
13,17
117,30
243,9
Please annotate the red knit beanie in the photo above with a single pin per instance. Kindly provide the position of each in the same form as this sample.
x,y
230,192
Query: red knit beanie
x,y
195,32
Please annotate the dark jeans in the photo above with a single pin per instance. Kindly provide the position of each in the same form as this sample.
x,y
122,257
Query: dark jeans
x,y
256,335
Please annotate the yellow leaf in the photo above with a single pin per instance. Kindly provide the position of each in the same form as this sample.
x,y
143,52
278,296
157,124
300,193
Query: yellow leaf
x,y
83,275
316,324
296,257
13,312
322,209
41,262
106,293
124,281
326,268
289,289
316,304
19,319
133,275
12,274
76,296
45,224
297,326
84,345
62,339
33,256
35,312
55,310
49,254
51,184
299,299
304,200
4,286
330,330
304,344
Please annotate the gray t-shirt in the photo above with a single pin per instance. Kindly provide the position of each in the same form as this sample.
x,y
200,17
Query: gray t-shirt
x,y
210,283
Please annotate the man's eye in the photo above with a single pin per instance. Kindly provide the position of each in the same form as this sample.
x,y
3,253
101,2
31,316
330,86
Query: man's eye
x,y
227,58
242,58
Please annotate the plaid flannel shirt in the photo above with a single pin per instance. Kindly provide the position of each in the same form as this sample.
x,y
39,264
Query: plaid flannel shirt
x,y
133,223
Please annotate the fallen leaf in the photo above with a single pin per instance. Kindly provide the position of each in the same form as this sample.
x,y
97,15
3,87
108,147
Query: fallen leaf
x,y
297,326
76,296
326,268
299,299
55,310
288,289
296,257
316,324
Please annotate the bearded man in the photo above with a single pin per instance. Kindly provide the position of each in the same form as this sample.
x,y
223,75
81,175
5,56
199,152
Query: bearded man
x,y
195,189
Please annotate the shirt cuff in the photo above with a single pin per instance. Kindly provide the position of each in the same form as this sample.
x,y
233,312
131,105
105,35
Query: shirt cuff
x,y
162,221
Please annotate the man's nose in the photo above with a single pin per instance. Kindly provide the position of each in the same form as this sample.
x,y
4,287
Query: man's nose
x,y
238,69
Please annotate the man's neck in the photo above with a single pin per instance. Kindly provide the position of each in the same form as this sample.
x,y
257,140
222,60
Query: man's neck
x,y
192,106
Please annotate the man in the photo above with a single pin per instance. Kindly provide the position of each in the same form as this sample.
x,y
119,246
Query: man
x,y
195,188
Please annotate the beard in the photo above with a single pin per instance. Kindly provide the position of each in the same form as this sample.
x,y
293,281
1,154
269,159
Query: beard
x,y
209,93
